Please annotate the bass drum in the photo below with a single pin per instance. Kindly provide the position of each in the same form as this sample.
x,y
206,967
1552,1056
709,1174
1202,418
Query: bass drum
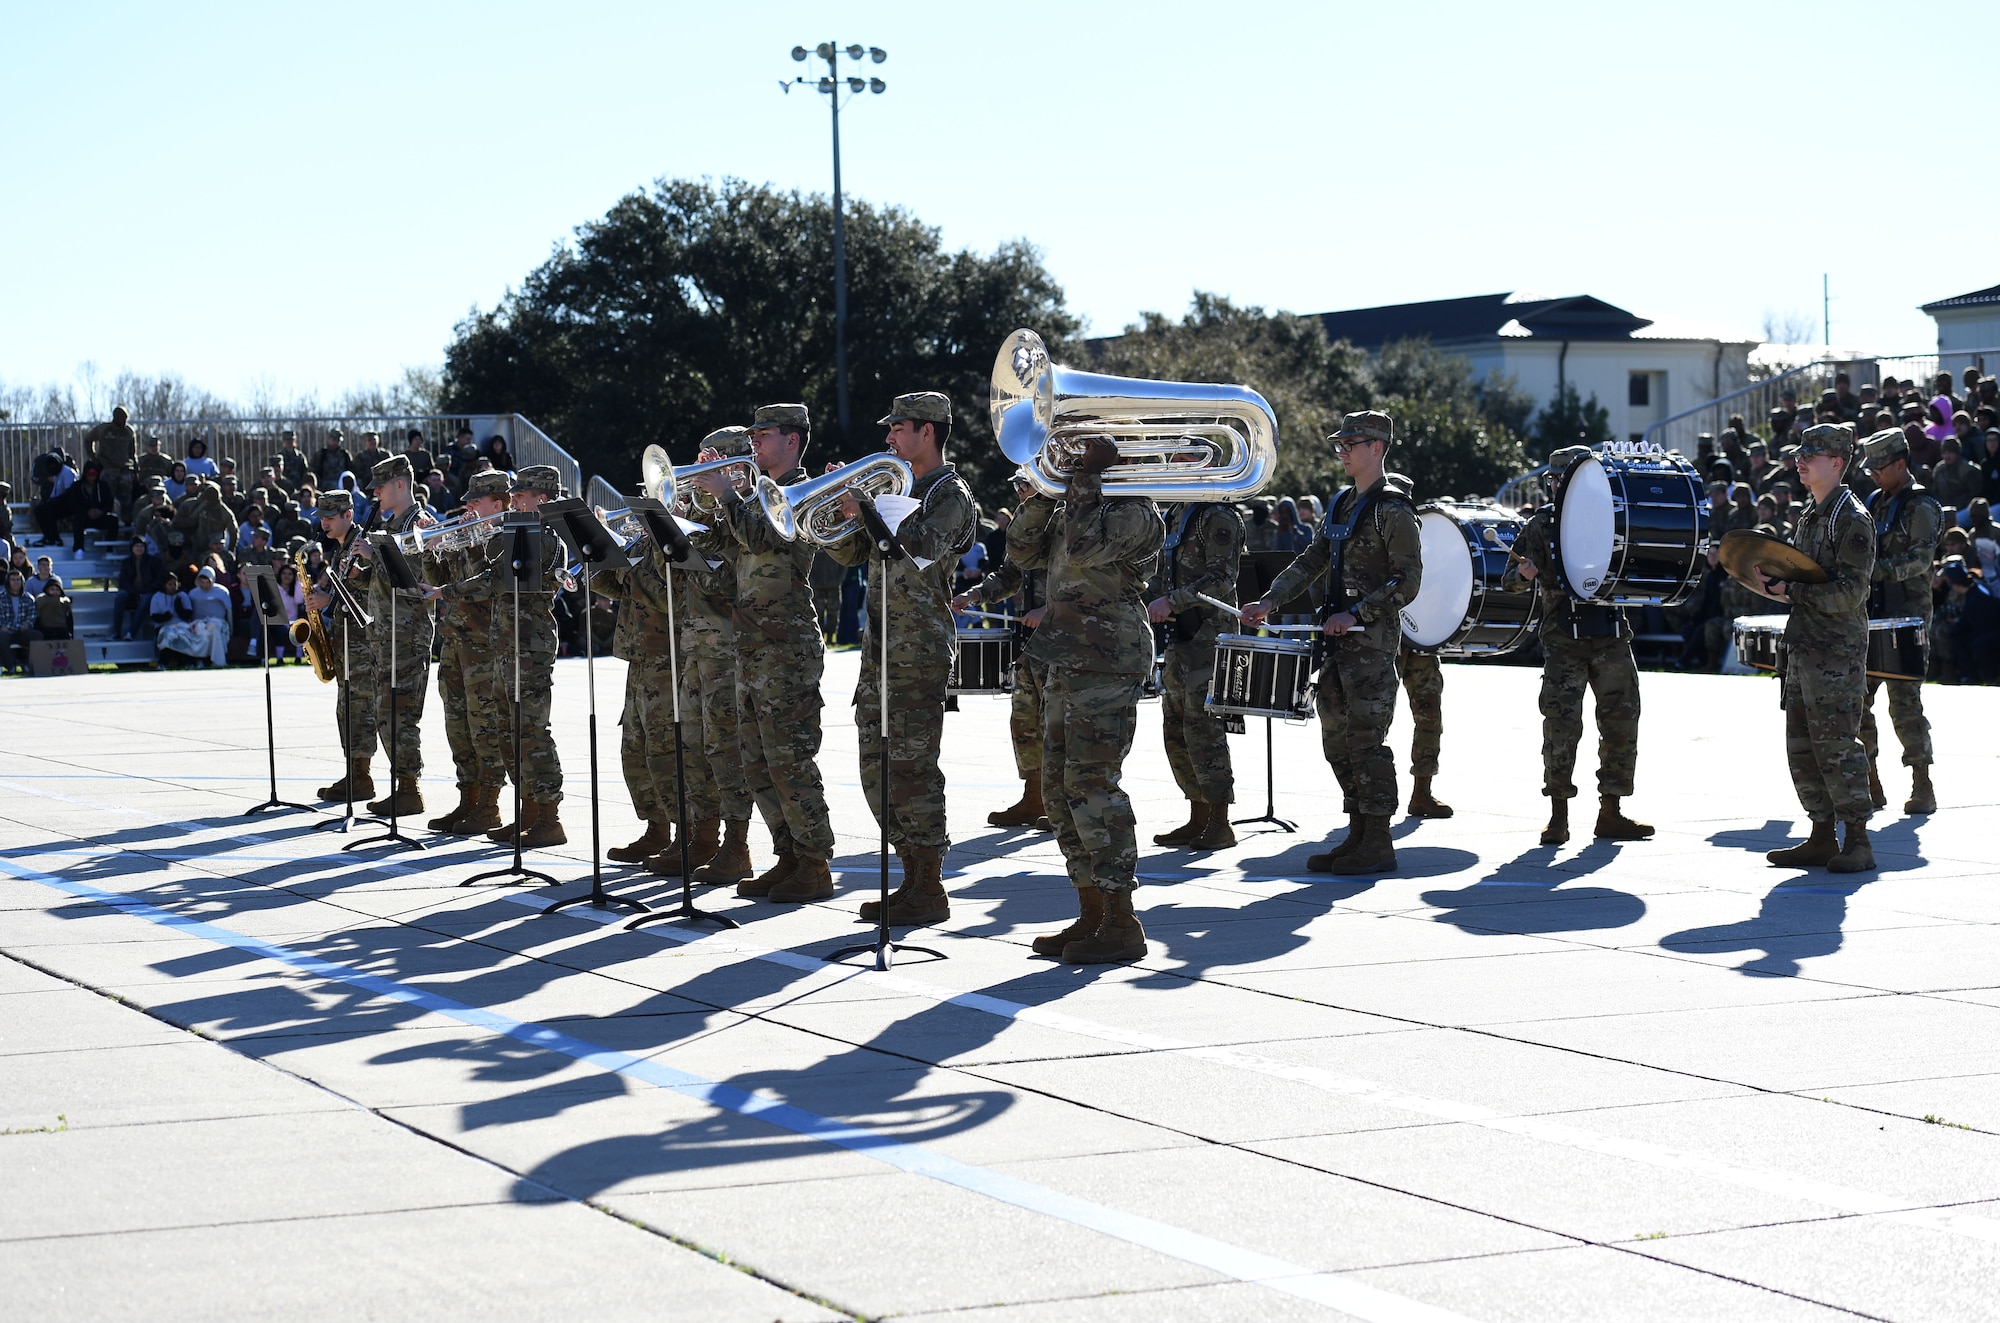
x,y
1631,528
1460,610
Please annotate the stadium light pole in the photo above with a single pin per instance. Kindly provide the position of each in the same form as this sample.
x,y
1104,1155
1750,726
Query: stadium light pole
x,y
830,85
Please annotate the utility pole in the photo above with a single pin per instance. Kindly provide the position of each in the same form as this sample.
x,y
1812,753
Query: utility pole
x,y
1825,295
831,86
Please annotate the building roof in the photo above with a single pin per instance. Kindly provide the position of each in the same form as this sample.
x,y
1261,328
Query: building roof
x,y
1484,317
1991,294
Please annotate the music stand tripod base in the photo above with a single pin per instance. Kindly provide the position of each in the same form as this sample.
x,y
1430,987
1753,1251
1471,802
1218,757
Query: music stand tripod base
x,y
262,585
1270,813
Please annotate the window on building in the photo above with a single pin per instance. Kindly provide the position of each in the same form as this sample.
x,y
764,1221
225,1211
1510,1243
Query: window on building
x,y
1639,390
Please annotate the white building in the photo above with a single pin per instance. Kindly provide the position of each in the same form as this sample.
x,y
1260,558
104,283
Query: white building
x,y
1967,322
1639,371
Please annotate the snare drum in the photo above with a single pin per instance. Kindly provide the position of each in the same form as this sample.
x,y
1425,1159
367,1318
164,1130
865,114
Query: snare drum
x,y
1631,528
985,662
1758,639
1262,677
1898,648
1459,610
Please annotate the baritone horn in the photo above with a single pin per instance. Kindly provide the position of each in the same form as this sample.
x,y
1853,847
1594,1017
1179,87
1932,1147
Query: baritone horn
x,y
1177,441
811,509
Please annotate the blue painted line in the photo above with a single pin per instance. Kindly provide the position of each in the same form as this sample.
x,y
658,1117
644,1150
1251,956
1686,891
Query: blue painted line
x,y
1354,1297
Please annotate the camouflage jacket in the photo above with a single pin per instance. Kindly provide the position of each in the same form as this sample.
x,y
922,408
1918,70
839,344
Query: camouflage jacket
x,y
1907,528
708,580
492,582
1536,544
113,445
335,619
643,635
921,630
150,466
413,619
1203,547
1831,618
1025,569
466,619
1380,570
1102,557
774,601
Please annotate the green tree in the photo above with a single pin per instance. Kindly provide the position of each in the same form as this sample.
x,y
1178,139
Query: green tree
x,y
1569,420
686,306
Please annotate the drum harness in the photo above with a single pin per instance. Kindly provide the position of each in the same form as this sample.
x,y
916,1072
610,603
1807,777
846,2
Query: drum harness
x,y
1187,624
1579,619
1878,594
1335,599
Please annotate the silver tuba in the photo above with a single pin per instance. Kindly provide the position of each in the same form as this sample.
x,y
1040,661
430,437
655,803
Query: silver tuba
x,y
811,509
1177,441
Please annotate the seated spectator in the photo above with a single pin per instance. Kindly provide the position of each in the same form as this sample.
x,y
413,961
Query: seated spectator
x,y
6,514
1952,481
214,616
293,594
93,506
17,622
458,471
253,523
198,464
259,551
1989,465
153,464
54,617
364,509
496,451
290,466
172,614
54,474
45,570
18,560
176,485
1975,633
289,524
332,460
140,575
235,501
416,452
1985,538
1288,534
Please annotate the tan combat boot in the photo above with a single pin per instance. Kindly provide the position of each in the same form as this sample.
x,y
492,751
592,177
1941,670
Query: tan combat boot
x,y
357,777
1023,813
658,836
1423,804
923,899
483,815
758,887
407,799
1218,834
1324,862
543,827
811,879
1877,796
1557,832
1119,937
503,834
702,846
1856,854
448,822
1091,900
1811,852
1923,798
1613,825
732,859
1376,852
871,910
1196,824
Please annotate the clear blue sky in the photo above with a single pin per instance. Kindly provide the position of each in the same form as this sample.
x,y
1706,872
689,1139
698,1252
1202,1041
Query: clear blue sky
x,y
310,196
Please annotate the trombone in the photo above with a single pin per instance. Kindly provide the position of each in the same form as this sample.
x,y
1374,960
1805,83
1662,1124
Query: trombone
x,y
811,509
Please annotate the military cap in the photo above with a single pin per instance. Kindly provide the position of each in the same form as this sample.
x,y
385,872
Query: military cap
x,y
390,469
288,435
1825,439
539,478
1780,411
1562,459
780,415
1829,394
371,432
1955,570
490,483
1885,447
924,406
334,434
728,441
339,501
1368,425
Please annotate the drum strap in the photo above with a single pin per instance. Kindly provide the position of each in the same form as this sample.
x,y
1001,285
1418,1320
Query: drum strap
x,y
1337,534
1187,625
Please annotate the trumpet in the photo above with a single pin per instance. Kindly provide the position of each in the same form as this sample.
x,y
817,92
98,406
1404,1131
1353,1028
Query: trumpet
x,y
451,535
811,509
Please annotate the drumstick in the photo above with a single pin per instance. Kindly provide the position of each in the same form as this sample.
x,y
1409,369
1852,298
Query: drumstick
x,y
1275,629
988,615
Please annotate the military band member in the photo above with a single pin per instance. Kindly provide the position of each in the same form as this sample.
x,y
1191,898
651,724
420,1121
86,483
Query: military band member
x,y
1908,523
1097,649
1024,570
1826,643
780,657
1369,553
354,695
719,791
402,652
645,640
1585,646
1204,543
472,704
922,647
1423,684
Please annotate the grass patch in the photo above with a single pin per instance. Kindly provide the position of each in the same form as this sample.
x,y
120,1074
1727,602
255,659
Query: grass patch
x,y
62,1124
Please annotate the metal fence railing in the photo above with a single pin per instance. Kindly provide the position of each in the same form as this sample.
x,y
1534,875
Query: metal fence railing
x,y
1755,401
254,442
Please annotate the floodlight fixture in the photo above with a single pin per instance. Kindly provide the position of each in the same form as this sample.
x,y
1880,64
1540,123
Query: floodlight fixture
x,y
824,50
855,53
877,54
877,85
857,84
799,53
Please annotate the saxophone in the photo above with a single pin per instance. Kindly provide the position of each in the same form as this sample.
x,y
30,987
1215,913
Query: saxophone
x,y
309,634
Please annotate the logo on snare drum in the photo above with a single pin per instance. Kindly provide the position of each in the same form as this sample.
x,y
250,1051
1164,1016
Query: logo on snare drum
x,y
1239,678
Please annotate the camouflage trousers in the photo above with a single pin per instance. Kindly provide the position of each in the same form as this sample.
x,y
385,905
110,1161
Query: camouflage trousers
x,y
1197,746
1906,714
540,772
1089,720
1824,700
1605,668
709,703
399,713
1024,717
646,743
916,735
473,713
354,698
1357,703
1423,683
777,687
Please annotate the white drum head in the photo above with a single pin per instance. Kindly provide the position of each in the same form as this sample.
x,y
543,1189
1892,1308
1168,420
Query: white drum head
x,y
1445,594
1584,528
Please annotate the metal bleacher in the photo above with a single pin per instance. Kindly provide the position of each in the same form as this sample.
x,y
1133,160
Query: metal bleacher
x,y
93,605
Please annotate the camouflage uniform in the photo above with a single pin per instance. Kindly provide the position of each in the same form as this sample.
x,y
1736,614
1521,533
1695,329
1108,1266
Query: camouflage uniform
x,y
402,676
1600,662
1907,528
1204,543
115,447
780,658
646,725
473,725
922,647
353,660
717,787
540,772
1826,645
1025,572
1097,648
1381,569
1423,683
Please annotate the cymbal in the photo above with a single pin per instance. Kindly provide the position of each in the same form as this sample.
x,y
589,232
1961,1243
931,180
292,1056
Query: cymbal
x,y
1746,549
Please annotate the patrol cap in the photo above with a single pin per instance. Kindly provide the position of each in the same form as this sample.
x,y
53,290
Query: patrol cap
x,y
924,406
390,469
539,478
1885,447
1368,425
334,433
1562,459
728,441
1955,570
492,483
1780,411
1825,439
288,435
780,415
339,501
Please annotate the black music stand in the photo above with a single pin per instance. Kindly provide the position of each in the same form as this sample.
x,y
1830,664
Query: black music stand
x,y
1255,573
887,548
260,584
671,539
389,560
585,535
356,617
523,531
